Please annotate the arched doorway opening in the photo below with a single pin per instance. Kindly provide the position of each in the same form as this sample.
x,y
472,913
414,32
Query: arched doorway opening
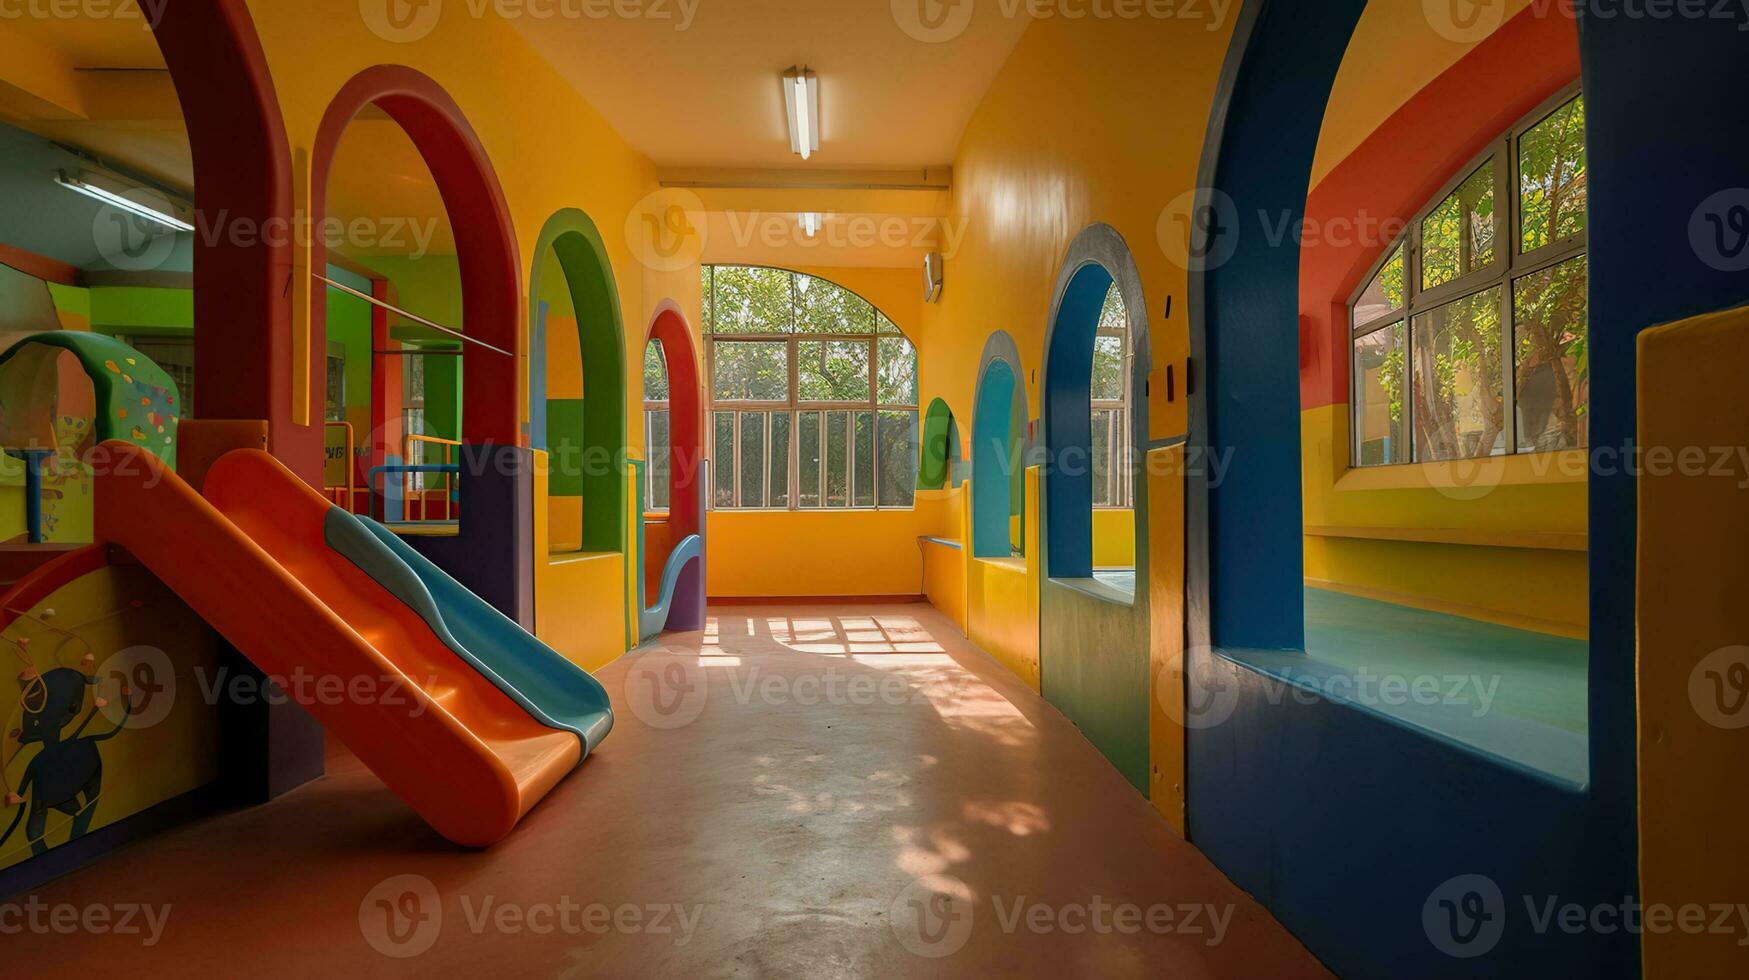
x,y
674,596
489,548
1093,616
577,416
486,255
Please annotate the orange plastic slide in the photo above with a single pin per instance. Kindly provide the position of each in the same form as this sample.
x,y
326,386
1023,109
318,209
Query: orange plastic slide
x,y
250,558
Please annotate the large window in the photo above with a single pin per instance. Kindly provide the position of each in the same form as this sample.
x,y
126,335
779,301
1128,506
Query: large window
x,y
1469,339
813,395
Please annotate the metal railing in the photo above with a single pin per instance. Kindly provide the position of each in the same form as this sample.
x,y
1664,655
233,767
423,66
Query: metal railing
x,y
447,469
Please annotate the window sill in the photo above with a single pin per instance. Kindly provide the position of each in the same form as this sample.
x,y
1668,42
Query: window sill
x,y
1012,564
1470,479
1097,589
426,529
578,557
812,510
1466,536
1543,752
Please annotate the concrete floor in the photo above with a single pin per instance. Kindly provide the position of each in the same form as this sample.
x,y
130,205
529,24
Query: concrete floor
x,y
807,791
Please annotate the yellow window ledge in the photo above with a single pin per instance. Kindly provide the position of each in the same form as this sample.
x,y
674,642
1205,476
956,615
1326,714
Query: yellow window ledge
x,y
1015,564
574,557
1471,478
1469,536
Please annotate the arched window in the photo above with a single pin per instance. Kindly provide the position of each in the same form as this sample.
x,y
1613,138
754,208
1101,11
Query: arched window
x,y
1470,337
813,395
1113,483
655,427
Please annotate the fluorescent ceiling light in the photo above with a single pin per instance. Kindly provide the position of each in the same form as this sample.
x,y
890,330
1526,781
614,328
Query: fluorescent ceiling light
x,y
114,193
801,103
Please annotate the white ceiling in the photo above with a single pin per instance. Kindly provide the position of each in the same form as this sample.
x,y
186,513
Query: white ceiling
x,y
709,95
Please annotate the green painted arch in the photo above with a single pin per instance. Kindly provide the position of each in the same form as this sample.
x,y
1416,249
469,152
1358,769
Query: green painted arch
x,y
586,437
136,401
940,447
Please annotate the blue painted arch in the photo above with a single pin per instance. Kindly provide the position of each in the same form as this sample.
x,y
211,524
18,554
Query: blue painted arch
x,y
998,449
1094,636
1098,259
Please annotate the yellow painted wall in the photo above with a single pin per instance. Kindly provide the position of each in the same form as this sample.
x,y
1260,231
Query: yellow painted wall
x,y
1166,761
1085,123
813,553
1694,703
579,597
1114,538
511,97
1394,52
942,515
1002,599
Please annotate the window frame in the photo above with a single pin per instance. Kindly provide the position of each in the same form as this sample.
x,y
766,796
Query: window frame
x,y
1508,267
1121,490
653,405
795,407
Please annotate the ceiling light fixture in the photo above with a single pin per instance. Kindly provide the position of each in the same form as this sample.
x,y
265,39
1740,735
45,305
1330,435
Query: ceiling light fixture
x,y
115,194
801,103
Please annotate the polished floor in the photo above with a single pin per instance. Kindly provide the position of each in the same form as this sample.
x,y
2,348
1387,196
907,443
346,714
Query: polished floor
x,y
806,791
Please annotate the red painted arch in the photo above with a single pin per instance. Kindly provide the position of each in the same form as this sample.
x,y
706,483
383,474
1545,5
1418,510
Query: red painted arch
x,y
1398,169
485,241
685,419
242,169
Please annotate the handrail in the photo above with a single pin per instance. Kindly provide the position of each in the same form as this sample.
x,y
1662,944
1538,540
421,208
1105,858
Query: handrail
x,y
370,478
416,318
449,447
347,488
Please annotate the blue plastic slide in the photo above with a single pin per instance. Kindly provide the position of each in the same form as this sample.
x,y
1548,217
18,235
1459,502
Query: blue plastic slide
x,y
554,690
654,620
